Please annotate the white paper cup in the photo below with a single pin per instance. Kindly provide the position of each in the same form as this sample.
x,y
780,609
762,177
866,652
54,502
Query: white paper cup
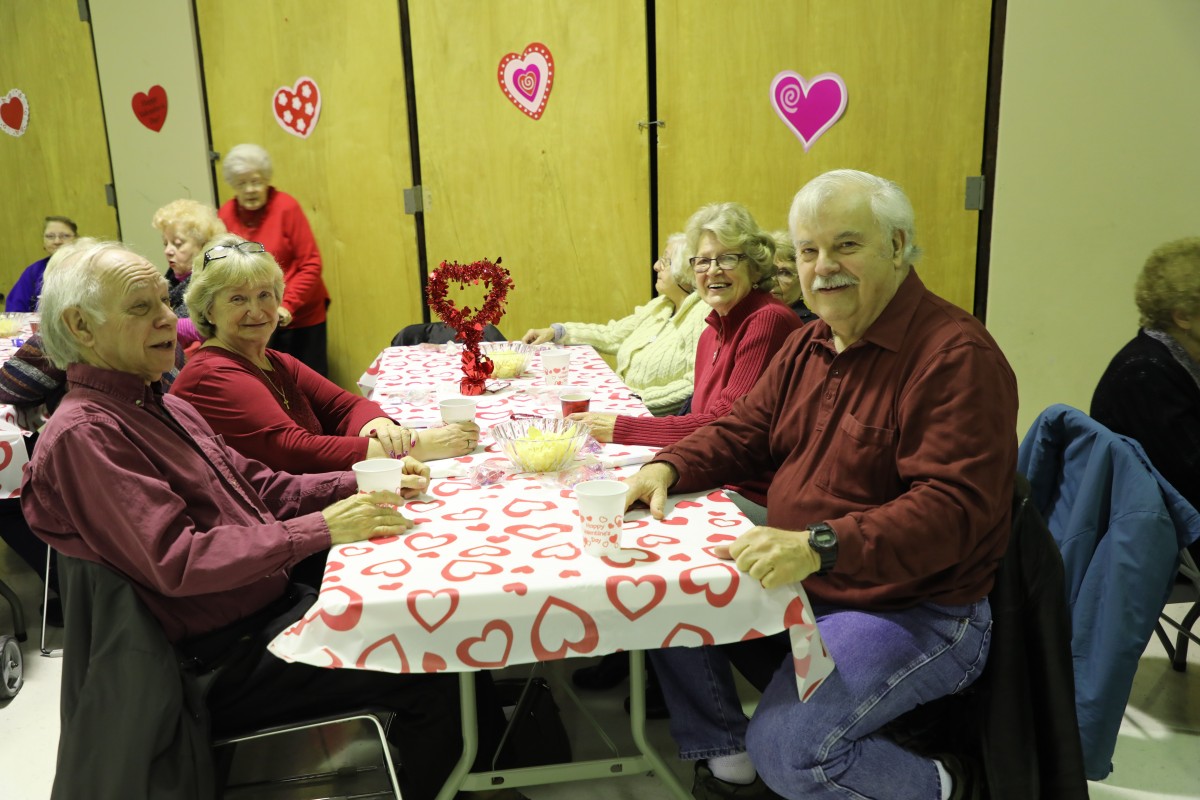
x,y
457,409
379,474
601,512
557,366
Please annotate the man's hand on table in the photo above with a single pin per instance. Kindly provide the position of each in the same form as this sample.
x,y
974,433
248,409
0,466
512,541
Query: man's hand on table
x,y
538,336
600,425
650,485
364,516
772,556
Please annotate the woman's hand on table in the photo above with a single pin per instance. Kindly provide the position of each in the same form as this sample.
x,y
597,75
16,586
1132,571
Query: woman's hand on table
x,y
365,516
600,425
388,440
448,441
415,479
538,336
650,485
772,556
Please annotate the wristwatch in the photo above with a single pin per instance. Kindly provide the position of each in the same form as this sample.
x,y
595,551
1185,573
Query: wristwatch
x,y
823,539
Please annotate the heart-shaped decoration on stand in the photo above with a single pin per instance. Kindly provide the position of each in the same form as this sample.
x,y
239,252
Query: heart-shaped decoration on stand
x,y
297,107
14,113
527,79
150,107
809,108
468,322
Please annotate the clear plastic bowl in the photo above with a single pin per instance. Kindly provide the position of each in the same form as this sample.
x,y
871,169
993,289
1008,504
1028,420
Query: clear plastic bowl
x,y
552,447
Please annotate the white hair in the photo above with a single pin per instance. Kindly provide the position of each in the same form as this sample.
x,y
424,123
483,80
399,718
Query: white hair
x,y
679,252
242,159
733,225
891,207
78,281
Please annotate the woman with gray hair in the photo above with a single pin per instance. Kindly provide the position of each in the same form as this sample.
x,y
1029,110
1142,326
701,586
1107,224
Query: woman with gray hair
x,y
746,326
185,226
786,286
1151,389
261,213
656,344
267,404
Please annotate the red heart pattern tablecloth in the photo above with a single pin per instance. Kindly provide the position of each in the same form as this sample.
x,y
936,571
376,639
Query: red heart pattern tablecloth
x,y
496,575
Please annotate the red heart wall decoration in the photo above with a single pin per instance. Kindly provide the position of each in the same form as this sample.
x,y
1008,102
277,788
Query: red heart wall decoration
x,y
151,107
297,107
14,113
526,79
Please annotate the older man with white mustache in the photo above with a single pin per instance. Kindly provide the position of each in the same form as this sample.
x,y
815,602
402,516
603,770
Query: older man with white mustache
x,y
890,426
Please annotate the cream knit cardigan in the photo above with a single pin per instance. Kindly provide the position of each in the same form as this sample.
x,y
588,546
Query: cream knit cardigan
x,y
655,347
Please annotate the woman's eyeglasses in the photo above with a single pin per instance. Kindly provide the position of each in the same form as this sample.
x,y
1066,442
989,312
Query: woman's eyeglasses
x,y
725,261
222,250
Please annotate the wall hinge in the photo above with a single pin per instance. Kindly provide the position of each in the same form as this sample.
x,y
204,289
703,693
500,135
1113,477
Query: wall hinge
x,y
414,200
110,194
85,13
976,186
654,123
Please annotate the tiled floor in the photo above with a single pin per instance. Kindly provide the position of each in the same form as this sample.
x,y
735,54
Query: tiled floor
x,y
1158,754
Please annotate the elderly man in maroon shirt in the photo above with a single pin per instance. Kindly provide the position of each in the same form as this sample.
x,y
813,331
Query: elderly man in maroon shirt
x,y
135,480
890,426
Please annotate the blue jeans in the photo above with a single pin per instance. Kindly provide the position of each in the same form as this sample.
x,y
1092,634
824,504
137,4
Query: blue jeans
x,y
887,664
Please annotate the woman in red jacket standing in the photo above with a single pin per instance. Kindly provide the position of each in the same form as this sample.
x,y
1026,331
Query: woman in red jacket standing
x,y
261,213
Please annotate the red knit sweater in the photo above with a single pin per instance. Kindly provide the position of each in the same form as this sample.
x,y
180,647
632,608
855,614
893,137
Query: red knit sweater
x,y
283,229
731,355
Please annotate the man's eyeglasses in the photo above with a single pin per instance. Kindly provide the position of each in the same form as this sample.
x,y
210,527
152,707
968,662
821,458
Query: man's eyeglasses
x,y
222,250
725,261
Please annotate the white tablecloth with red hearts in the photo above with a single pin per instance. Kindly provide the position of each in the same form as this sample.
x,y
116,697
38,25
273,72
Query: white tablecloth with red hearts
x,y
495,575
13,455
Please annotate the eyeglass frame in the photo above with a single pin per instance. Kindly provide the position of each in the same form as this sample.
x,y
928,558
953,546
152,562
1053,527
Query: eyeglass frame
x,y
239,246
58,237
695,260
786,273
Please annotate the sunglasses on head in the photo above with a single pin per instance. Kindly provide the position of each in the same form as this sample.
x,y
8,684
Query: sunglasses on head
x,y
222,250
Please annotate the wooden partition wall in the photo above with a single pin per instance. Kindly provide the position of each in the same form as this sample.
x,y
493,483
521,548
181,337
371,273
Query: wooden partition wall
x,y
60,164
565,199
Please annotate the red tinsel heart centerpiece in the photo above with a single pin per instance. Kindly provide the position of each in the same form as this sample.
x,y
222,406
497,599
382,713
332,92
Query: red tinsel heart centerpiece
x,y
467,321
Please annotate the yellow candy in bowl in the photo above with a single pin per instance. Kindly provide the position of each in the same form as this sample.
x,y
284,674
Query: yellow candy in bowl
x,y
509,359
540,445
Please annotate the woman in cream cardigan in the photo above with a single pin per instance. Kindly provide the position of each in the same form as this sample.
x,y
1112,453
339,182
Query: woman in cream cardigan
x,y
656,344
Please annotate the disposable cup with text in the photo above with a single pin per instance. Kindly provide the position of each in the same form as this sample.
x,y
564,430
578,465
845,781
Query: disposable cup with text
x,y
379,475
557,366
457,409
601,512
575,401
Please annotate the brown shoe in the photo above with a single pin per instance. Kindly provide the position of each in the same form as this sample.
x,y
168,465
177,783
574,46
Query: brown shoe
x,y
707,786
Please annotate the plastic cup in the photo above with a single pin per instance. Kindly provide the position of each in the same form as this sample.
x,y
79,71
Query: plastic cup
x,y
35,323
557,366
575,401
601,512
457,409
379,475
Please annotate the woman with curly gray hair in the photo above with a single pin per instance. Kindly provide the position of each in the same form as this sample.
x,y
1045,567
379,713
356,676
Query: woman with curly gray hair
x,y
746,326
1151,389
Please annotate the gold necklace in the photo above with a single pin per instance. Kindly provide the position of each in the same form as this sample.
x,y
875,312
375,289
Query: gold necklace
x,y
286,403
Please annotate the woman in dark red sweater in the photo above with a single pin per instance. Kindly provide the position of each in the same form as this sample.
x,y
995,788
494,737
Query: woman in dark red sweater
x,y
734,257
261,213
267,404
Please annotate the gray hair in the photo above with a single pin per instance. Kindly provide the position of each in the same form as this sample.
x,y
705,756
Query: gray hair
x,y
235,268
681,271
734,226
891,207
242,159
1169,282
77,280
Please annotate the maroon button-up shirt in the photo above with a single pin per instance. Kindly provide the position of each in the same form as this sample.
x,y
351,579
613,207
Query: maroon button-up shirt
x,y
905,443
126,477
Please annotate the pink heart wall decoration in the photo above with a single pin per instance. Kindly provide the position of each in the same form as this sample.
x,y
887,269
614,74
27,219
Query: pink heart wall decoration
x,y
526,79
809,108
297,107
14,113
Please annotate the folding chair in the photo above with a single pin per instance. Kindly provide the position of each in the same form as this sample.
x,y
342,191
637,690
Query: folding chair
x,y
1183,592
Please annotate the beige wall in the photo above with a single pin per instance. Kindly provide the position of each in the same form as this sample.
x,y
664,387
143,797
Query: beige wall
x,y
1097,164
139,45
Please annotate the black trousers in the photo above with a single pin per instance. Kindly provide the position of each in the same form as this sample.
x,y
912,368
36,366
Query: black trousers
x,y
255,689
307,344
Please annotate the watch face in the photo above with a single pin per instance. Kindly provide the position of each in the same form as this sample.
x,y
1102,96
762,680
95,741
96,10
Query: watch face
x,y
824,537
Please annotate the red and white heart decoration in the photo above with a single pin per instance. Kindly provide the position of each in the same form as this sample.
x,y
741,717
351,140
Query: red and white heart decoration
x,y
150,107
527,79
809,108
14,113
297,107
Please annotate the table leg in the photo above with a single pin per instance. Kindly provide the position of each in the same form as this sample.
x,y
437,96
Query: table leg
x,y
470,736
637,726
